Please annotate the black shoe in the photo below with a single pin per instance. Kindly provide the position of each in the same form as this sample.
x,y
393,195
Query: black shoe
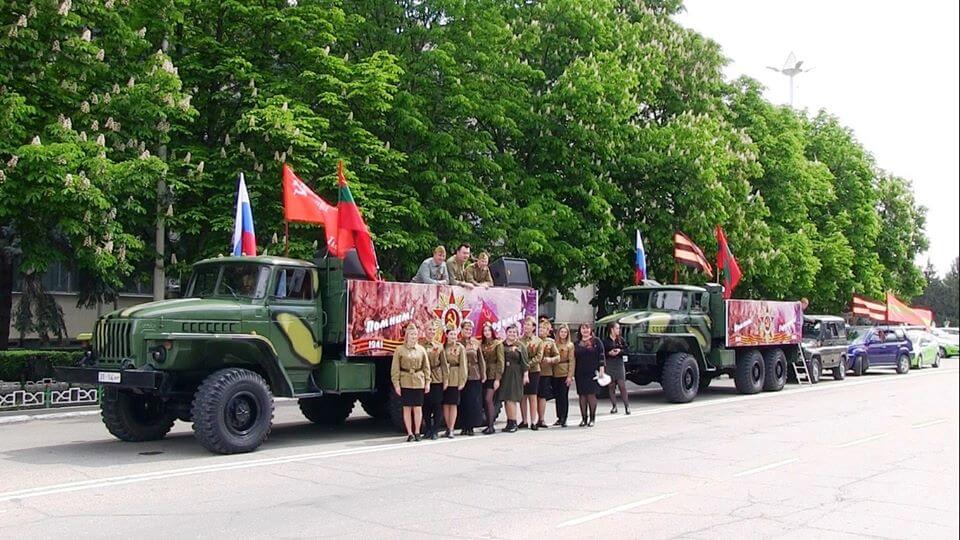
x,y
522,425
511,427
590,423
489,431
433,436
449,434
409,438
534,427
470,432
558,423
613,410
416,437
583,423
541,425
626,411
463,432
563,424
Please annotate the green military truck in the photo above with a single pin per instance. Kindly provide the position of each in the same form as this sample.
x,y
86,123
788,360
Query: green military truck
x,y
248,329
685,336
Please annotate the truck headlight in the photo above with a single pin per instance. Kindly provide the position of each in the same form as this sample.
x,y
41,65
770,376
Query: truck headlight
x,y
159,354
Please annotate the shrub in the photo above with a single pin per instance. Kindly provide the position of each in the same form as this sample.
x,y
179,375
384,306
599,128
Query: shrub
x,y
32,365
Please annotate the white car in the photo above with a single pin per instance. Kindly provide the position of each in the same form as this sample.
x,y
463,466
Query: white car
x,y
949,341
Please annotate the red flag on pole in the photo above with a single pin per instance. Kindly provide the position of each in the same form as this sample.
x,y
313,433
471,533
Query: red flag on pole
x,y
301,204
897,311
353,231
728,264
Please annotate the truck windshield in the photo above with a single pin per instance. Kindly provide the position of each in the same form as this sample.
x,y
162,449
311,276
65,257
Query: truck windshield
x,y
811,329
670,300
238,280
636,300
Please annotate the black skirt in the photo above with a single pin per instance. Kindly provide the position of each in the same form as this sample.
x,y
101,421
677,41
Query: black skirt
x,y
488,384
471,404
451,396
586,384
545,391
411,397
532,387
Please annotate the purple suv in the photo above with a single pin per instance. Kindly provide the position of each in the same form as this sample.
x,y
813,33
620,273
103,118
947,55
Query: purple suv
x,y
882,346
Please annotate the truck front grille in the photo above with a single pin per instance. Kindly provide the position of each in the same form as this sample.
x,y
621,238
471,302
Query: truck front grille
x,y
112,339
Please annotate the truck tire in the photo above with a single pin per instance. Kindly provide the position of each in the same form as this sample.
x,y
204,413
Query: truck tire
x,y
749,376
858,365
136,417
903,364
232,411
328,410
377,404
704,383
680,378
775,369
840,372
816,370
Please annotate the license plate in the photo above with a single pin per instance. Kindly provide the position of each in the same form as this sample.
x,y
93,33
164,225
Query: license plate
x,y
108,376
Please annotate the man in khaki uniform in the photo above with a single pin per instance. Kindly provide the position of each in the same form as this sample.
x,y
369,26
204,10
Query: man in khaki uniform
x,y
457,266
478,273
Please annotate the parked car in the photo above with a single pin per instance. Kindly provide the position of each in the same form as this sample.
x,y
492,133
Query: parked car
x,y
881,346
926,349
825,346
948,340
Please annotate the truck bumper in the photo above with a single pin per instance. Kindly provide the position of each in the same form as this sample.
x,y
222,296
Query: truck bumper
x,y
112,378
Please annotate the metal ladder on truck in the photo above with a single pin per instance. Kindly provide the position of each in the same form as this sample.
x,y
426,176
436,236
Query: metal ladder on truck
x,y
801,370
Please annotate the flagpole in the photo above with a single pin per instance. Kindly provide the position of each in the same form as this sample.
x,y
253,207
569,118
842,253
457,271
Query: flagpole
x,y
676,269
286,238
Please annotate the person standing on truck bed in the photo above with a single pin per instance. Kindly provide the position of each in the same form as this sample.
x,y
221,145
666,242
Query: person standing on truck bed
x,y
616,348
457,266
528,406
433,270
478,273
549,355
491,350
454,377
589,357
410,374
563,372
471,401
515,376
433,406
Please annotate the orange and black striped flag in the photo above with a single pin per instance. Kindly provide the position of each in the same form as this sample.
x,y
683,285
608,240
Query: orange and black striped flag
x,y
689,254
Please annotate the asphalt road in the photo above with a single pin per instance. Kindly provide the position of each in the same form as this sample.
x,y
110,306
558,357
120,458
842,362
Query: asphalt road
x,y
875,456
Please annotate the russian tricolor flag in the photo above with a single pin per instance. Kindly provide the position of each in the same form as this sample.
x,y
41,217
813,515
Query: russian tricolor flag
x,y
641,262
244,240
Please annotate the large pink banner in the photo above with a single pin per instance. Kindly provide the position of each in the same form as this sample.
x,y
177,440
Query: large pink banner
x,y
763,322
378,311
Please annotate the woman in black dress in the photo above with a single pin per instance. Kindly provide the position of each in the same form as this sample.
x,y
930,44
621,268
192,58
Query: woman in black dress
x,y
433,401
589,358
491,349
471,401
616,349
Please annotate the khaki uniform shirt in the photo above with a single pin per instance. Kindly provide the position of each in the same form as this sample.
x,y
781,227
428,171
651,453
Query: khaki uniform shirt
x,y
476,367
549,354
479,276
410,367
454,365
457,271
534,352
567,363
493,357
435,354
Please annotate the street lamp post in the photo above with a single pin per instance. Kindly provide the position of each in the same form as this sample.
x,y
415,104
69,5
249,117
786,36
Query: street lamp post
x,y
791,68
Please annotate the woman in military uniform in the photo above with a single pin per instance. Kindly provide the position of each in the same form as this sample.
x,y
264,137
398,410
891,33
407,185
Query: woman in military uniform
x,y
491,350
433,407
454,363
589,356
471,401
410,374
528,406
549,355
563,372
515,376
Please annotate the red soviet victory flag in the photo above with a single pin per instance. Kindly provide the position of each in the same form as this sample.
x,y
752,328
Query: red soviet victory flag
x,y
301,204
353,231
727,263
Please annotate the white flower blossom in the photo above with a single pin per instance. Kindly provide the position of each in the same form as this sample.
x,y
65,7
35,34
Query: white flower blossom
x,y
200,167
56,45
108,247
187,158
106,97
226,140
142,32
131,81
101,140
223,152
3,176
68,180
22,21
36,140
100,54
85,35
64,8
83,136
145,154
85,107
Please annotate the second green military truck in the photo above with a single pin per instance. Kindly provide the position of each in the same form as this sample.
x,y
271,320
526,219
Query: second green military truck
x,y
253,328
685,336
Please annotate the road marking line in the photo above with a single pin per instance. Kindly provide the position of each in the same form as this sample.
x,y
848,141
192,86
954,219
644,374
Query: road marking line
x,y
860,441
766,467
614,510
265,462
930,423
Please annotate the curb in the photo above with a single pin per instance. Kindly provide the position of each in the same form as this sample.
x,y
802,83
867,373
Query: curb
x,y
21,418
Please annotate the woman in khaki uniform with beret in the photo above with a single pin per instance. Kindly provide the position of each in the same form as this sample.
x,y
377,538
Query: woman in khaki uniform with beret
x,y
410,374
454,378
549,355
563,371
515,376
491,349
471,400
528,405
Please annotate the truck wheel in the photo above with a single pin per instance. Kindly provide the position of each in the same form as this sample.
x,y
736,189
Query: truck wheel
x,y
680,378
816,369
232,411
858,366
328,410
377,404
704,383
775,370
749,375
840,372
903,364
136,417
